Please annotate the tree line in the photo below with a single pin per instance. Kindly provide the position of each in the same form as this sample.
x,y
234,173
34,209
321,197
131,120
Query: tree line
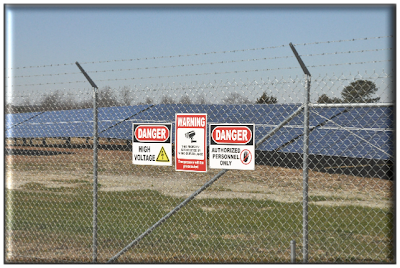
x,y
360,91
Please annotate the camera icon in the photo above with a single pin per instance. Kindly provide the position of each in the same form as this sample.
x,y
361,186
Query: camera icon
x,y
190,136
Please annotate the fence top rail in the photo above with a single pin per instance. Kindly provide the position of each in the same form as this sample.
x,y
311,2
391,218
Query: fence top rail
x,y
351,105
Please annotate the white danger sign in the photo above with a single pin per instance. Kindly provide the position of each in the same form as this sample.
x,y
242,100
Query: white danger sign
x,y
232,146
151,144
190,142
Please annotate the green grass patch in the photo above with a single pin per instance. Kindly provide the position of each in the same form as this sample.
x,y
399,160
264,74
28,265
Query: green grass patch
x,y
206,230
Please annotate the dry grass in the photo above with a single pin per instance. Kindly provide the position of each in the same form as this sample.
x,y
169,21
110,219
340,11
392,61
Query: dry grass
x,y
116,173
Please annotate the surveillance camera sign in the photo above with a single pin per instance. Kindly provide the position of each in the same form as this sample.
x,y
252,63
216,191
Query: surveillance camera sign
x,y
232,146
151,144
190,142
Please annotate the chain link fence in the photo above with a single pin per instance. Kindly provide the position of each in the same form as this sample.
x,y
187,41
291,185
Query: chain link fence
x,y
244,217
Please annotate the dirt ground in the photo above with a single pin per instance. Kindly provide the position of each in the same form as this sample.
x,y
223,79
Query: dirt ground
x,y
72,167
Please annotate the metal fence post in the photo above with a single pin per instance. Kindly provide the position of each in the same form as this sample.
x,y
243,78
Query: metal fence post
x,y
305,168
95,147
293,251
305,152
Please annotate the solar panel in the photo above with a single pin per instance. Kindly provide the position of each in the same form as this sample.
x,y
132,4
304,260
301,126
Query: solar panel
x,y
11,120
347,143
363,132
109,117
123,130
51,130
66,123
71,123
361,117
264,116
294,130
64,116
282,137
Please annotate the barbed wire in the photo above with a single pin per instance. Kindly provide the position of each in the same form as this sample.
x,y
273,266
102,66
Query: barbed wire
x,y
200,74
201,54
156,67
203,85
345,40
206,63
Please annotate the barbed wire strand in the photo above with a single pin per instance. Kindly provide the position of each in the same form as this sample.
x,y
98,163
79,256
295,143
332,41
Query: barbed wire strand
x,y
202,64
202,54
203,85
200,74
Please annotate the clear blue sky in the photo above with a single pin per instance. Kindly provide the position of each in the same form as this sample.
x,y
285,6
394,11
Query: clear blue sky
x,y
41,35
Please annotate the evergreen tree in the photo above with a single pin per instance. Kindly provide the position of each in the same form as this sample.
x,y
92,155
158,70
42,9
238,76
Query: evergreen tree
x,y
360,91
265,99
325,99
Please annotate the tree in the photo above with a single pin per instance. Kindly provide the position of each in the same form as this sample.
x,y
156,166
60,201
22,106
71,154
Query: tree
x,y
167,100
265,99
236,98
57,101
148,100
26,106
325,99
126,96
106,98
84,104
201,99
51,101
360,91
185,100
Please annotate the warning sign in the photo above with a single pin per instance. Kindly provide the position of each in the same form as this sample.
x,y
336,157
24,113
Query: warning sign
x,y
162,156
190,142
232,146
151,144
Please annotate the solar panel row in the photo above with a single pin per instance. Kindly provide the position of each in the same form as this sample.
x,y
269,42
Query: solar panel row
x,y
349,132
13,120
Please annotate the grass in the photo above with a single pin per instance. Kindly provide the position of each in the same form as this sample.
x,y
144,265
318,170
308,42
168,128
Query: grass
x,y
319,198
234,230
54,224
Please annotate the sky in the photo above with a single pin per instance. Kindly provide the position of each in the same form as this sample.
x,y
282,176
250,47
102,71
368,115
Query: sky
x,y
104,38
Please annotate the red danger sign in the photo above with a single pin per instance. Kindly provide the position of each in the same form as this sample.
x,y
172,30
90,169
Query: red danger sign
x,y
146,133
151,144
231,135
232,146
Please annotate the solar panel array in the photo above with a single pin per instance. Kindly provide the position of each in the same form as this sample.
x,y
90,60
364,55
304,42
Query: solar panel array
x,y
13,120
348,132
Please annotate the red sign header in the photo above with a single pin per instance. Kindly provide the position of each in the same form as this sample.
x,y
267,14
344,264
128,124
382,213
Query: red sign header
x,y
231,134
152,133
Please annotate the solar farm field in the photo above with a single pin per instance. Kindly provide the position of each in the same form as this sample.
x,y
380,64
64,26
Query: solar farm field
x,y
244,217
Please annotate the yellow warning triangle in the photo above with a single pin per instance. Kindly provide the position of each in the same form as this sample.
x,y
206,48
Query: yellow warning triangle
x,y
162,156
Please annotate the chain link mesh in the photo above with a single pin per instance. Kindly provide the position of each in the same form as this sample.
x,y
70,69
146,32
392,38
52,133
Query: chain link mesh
x,y
245,216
